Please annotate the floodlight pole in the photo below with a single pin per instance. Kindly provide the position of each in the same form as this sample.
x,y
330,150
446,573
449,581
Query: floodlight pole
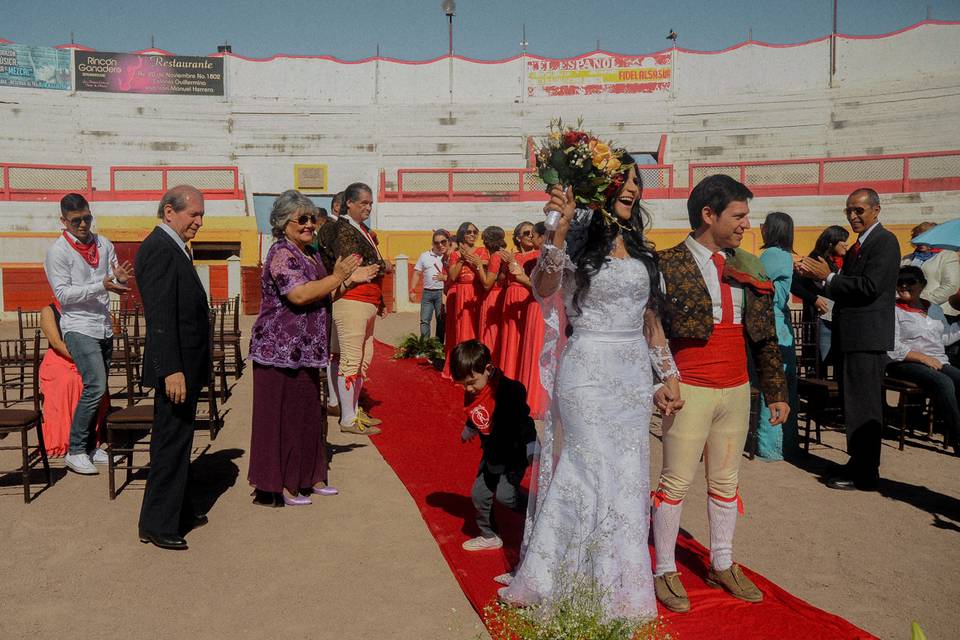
x,y
833,46
450,52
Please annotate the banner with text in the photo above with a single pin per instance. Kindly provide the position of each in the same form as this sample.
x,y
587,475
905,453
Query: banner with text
x,y
34,67
137,73
599,73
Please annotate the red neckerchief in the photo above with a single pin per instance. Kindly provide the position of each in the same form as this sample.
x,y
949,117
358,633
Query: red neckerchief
x,y
838,261
479,408
88,252
906,307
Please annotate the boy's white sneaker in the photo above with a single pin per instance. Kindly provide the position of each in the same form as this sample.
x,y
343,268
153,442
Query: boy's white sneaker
x,y
482,544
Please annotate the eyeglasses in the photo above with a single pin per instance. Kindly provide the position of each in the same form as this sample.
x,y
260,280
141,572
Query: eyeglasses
x,y
470,232
526,234
444,241
302,220
849,211
75,222
907,283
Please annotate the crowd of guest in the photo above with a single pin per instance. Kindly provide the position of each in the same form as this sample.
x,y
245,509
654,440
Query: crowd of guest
x,y
476,286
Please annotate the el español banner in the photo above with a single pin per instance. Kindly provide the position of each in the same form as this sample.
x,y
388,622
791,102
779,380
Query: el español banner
x,y
140,73
34,67
599,73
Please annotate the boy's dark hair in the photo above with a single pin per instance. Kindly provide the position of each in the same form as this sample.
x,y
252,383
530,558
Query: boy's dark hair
x,y
540,228
73,202
471,356
717,192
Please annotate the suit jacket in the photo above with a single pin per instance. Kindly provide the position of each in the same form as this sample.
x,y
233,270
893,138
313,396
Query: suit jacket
x,y
687,312
864,294
176,313
511,428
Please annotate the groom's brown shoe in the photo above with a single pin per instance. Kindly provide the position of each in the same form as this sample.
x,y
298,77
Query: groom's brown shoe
x,y
671,593
735,583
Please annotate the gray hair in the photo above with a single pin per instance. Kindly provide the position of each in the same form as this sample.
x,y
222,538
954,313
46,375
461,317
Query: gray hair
x,y
286,206
176,197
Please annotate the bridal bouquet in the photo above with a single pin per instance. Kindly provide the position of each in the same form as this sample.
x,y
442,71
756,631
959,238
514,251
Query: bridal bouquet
x,y
574,158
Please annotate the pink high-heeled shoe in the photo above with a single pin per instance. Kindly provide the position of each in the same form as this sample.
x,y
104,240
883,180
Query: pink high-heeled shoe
x,y
298,501
325,491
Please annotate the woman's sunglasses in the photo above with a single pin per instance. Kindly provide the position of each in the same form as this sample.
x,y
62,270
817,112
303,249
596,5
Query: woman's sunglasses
x,y
302,220
526,233
442,241
906,283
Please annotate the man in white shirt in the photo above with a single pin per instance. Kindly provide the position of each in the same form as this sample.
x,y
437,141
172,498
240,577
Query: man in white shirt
x,y
430,267
82,270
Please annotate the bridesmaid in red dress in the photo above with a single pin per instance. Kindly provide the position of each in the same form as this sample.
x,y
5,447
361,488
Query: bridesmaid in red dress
x,y
466,269
532,343
516,299
495,243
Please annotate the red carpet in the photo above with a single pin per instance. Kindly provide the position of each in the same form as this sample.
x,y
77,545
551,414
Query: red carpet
x,y
421,440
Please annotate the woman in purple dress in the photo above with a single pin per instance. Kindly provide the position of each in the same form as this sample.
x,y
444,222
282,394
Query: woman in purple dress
x,y
289,347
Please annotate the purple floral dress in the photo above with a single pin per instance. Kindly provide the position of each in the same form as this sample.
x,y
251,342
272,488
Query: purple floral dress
x,y
287,335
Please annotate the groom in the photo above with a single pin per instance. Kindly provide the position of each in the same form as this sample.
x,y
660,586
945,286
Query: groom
x,y
718,307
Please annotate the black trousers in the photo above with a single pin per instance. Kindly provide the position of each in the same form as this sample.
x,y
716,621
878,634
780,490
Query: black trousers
x,y
861,381
165,499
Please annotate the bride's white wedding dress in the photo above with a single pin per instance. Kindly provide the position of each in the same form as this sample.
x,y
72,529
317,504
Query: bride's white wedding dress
x,y
589,511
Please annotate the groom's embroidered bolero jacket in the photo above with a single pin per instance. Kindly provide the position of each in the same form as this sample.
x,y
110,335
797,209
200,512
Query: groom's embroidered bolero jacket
x,y
687,312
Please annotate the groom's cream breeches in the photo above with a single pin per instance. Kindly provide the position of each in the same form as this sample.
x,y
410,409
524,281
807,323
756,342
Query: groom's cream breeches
x,y
713,422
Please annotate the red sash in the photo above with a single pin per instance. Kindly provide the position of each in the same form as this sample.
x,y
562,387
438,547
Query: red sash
x,y
717,363
89,252
479,409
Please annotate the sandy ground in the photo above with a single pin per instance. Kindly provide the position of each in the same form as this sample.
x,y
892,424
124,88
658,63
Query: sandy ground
x,y
363,564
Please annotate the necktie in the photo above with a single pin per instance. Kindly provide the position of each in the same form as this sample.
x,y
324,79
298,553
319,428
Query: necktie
x,y
726,294
189,251
851,254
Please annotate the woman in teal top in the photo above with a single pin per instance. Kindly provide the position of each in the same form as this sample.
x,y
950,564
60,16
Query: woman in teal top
x,y
776,442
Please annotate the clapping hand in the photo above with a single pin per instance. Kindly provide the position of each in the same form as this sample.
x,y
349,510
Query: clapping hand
x,y
815,268
345,266
117,281
515,268
505,256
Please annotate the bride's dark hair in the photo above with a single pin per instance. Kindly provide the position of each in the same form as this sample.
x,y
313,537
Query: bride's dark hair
x,y
599,243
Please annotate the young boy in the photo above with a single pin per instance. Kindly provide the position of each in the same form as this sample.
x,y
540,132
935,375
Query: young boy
x,y
497,411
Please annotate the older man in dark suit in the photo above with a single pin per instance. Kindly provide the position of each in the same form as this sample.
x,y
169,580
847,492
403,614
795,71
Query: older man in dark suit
x,y
176,363
864,293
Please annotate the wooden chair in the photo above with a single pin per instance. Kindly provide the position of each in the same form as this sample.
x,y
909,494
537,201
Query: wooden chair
x,y
912,402
207,410
22,420
818,395
27,323
127,427
231,335
217,352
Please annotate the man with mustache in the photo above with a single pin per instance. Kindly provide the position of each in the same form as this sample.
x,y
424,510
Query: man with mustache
x,y
717,302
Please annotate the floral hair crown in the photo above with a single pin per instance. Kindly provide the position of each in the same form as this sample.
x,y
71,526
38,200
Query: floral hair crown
x,y
571,157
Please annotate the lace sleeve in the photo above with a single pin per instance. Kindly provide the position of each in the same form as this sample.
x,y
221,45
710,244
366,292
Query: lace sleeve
x,y
662,361
547,276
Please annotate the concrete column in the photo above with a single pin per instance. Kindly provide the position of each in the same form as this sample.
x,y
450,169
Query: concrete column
x,y
234,278
401,285
203,271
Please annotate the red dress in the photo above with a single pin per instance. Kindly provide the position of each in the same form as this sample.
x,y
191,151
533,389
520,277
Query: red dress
x,y
491,307
516,298
463,305
530,360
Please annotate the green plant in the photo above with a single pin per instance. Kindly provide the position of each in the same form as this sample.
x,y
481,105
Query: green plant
x,y
576,613
417,346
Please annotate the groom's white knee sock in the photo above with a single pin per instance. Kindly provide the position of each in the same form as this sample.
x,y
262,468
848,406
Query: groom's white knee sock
x,y
723,522
348,404
332,367
666,527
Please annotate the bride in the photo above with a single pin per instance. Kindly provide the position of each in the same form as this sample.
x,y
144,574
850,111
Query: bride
x,y
589,509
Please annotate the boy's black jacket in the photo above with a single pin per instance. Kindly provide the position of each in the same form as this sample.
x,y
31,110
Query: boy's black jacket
x,y
511,428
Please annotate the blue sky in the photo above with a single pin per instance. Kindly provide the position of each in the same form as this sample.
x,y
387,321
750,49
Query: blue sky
x,y
417,29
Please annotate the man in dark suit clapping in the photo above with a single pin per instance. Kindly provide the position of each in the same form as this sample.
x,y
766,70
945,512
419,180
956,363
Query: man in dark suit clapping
x,y
176,363
863,293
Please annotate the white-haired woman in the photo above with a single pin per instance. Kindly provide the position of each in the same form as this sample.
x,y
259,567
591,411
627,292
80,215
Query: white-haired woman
x,y
289,345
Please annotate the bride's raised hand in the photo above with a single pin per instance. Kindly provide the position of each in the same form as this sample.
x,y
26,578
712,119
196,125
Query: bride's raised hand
x,y
562,202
